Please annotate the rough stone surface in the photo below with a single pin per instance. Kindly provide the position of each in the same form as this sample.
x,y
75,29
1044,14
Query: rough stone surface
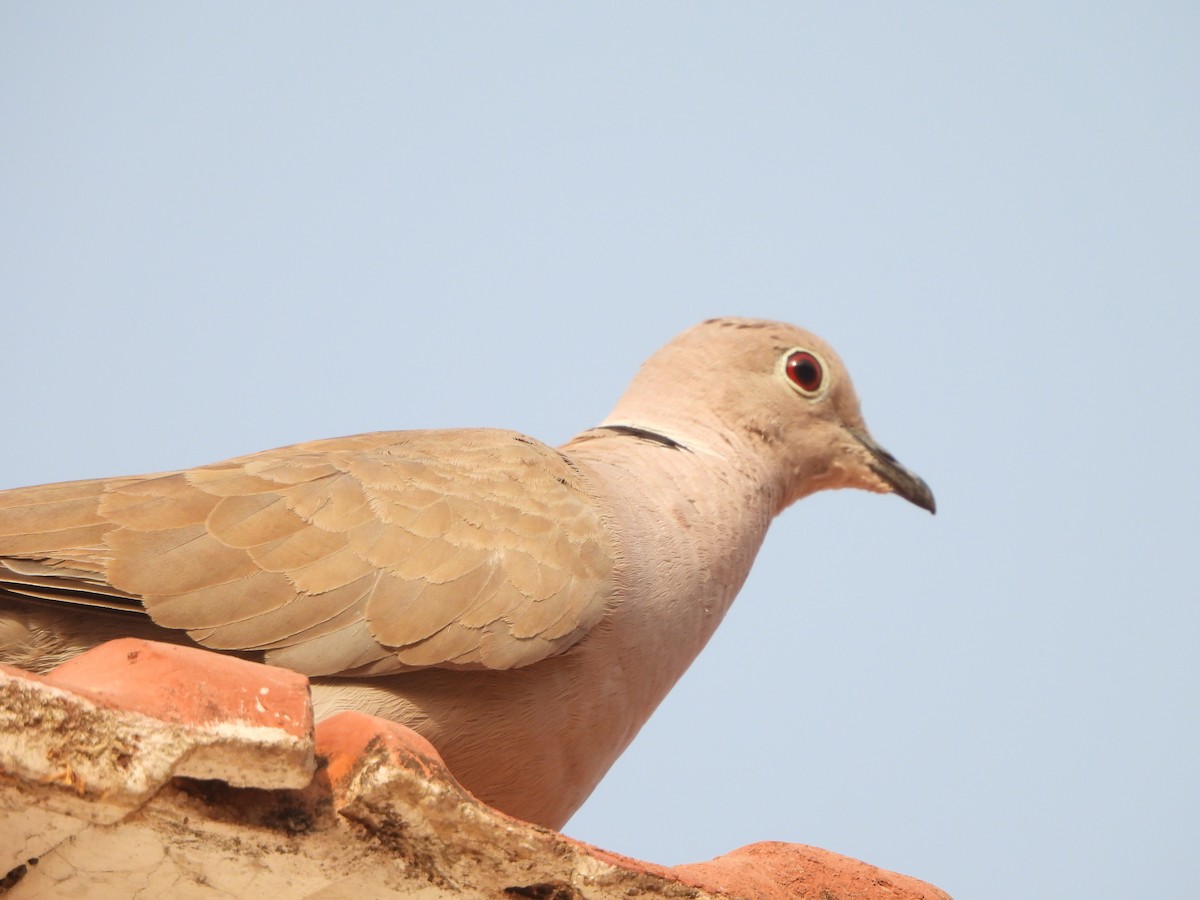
x,y
150,770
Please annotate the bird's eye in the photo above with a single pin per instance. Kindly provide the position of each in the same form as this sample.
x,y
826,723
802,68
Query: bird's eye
x,y
805,371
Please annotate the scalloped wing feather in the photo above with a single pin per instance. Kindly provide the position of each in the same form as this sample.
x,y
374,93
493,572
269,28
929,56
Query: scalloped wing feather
x,y
370,554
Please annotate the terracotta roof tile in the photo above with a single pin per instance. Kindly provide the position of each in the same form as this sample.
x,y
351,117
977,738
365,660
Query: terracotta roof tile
x,y
171,771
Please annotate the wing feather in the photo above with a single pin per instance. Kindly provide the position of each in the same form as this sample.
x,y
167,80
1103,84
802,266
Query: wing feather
x,y
370,554
252,521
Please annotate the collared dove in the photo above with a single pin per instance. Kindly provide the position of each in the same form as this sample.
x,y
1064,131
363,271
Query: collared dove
x,y
523,607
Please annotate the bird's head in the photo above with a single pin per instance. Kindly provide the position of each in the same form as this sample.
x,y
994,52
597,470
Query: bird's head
x,y
773,390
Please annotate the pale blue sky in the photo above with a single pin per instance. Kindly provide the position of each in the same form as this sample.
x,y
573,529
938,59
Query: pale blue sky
x,y
226,227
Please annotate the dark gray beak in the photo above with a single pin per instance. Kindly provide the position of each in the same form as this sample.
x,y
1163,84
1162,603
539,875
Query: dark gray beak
x,y
905,483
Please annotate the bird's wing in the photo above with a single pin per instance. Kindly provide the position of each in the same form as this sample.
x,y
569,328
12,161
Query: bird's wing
x,y
368,554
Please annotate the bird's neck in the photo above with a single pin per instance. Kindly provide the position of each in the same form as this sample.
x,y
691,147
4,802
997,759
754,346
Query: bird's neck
x,y
688,515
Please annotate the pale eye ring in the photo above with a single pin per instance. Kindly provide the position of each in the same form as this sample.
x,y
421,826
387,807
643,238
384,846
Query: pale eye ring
x,y
805,372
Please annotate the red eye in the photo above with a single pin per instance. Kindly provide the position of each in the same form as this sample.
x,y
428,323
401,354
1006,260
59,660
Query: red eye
x,y
805,371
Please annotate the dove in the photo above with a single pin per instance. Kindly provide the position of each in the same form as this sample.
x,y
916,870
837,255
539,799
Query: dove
x,y
524,607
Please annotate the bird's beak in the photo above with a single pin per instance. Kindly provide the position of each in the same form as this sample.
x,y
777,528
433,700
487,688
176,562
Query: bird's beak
x,y
903,482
